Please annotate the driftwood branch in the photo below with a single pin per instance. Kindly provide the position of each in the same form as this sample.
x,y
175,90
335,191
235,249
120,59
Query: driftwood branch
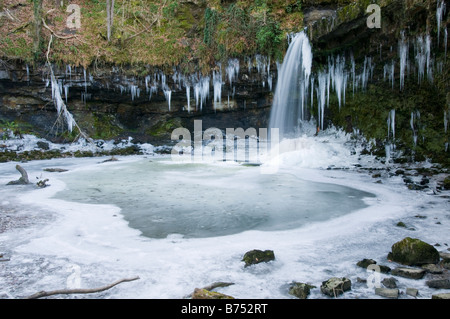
x,y
78,291
23,180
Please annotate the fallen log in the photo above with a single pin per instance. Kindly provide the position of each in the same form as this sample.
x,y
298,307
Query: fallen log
x,y
41,294
23,180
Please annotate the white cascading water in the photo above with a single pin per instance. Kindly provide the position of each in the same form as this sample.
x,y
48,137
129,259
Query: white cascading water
x,y
293,78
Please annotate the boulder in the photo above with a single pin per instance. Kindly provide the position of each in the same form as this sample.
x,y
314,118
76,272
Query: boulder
x,y
387,292
367,262
43,145
257,256
411,252
412,292
411,273
335,286
439,283
206,294
441,296
300,290
389,282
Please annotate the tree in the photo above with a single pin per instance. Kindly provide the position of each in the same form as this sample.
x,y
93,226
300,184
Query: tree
x,y
109,17
37,25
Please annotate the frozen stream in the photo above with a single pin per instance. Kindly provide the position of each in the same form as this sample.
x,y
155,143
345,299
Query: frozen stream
x,y
160,198
191,225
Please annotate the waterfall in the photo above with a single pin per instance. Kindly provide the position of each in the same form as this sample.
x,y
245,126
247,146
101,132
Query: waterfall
x,y
293,77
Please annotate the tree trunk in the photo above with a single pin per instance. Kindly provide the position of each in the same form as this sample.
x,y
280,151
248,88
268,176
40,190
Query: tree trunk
x,y
109,17
37,41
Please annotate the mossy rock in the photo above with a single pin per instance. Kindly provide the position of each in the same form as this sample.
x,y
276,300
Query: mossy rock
x,y
207,294
334,287
257,256
412,251
446,183
300,290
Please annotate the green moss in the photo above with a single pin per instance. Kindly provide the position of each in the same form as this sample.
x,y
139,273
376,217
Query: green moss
x,y
412,251
163,128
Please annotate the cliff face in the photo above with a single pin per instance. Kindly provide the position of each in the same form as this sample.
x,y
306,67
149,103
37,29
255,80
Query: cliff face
x,y
116,94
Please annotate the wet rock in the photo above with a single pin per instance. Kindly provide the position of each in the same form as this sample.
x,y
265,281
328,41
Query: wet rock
x,y
411,251
257,256
446,183
412,273
445,256
389,282
365,263
300,290
432,269
412,292
206,294
55,170
441,296
335,286
387,292
438,283
43,145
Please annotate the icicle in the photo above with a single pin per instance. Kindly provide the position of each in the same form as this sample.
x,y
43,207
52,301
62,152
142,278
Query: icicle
x,y
440,11
423,58
391,123
339,79
217,83
59,103
135,92
232,70
403,52
188,97
429,61
28,74
352,60
66,91
413,129
446,121
85,83
445,41
321,97
168,95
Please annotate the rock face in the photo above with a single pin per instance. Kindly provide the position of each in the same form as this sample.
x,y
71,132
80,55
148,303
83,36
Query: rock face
x,y
335,286
411,252
257,256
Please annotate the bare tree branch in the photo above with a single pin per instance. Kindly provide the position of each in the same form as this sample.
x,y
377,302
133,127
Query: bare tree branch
x,y
78,291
